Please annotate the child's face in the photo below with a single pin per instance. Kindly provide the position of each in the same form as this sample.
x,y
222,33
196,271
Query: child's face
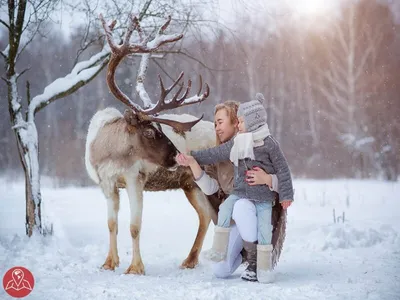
x,y
241,125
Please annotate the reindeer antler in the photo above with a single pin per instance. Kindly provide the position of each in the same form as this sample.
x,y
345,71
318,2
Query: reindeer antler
x,y
146,47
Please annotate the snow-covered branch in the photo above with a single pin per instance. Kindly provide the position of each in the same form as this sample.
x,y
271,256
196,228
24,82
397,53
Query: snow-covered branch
x,y
81,74
140,89
4,53
152,45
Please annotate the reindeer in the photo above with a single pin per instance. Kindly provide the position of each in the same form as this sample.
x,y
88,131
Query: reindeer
x,y
136,150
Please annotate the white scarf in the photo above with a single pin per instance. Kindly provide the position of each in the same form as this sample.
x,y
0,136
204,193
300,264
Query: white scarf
x,y
245,142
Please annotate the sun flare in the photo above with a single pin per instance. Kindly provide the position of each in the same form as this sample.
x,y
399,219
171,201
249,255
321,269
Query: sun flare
x,y
311,7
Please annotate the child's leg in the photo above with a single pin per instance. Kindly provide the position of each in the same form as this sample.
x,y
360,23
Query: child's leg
x,y
225,211
264,226
264,247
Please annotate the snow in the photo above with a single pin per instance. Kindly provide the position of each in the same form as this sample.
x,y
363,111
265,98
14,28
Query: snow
x,y
161,39
140,89
29,139
91,61
193,99
15,102
146,100
358,259
364,141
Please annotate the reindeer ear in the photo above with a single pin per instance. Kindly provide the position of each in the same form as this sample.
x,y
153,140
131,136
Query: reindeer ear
x,y
130,117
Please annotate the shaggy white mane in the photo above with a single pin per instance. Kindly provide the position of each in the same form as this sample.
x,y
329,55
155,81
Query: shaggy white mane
x,y
100,118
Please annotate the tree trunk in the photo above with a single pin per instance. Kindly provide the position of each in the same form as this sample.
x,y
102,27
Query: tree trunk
x,y
33,197
26,136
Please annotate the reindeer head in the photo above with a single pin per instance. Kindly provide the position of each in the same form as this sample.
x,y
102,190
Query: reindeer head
x,y
142,123
153,145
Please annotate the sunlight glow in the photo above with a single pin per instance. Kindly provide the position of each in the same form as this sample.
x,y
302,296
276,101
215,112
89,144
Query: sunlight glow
x,y
311,7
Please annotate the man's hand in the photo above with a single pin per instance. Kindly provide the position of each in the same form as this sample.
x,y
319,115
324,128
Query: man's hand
x,y
286,203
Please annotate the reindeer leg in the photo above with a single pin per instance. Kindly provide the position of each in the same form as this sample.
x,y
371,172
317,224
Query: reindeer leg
x,y
112,196
135,194
199,202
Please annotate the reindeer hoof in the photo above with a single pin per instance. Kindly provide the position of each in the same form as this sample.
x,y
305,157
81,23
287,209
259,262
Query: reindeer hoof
x,y
135,269
189,263
110,263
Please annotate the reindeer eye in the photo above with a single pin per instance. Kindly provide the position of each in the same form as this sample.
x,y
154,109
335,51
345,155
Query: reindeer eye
x,y
149,133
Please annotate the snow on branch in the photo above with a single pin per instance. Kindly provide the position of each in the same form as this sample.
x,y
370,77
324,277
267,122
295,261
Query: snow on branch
x,y
163,39
4,53
81,74
140,89
193,99
91,61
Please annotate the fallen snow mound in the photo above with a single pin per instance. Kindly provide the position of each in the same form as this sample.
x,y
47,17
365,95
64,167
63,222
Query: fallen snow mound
x,y
347,236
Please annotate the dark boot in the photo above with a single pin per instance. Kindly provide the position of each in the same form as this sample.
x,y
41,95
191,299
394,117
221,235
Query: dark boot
x,y
250,274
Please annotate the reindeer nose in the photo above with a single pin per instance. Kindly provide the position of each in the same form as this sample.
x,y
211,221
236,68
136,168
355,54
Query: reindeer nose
x,y
170,144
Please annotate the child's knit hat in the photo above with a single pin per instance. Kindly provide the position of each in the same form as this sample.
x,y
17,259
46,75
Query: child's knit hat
x,y
253,113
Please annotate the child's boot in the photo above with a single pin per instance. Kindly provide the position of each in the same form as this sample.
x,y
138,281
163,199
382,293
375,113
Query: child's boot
x,y
250,274
220,244
264,263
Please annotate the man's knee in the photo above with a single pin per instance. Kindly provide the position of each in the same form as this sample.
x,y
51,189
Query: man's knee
x,y
221,270
224,269
244,215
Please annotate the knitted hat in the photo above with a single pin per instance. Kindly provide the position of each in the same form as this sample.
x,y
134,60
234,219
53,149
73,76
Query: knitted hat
x,y
253,113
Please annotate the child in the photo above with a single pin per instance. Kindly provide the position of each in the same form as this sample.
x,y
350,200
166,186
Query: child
x,y
252,147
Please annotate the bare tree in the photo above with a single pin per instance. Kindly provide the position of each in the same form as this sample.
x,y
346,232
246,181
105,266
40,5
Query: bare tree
x,y
25,21
353,73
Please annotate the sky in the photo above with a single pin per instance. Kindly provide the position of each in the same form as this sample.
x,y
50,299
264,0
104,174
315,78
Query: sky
x,y
305,12
303,9
231,10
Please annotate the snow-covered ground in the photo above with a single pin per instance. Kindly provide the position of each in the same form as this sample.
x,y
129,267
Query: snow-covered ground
x,y
358,259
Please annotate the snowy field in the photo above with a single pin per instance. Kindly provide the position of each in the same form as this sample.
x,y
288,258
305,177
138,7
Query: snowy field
x,y
358,259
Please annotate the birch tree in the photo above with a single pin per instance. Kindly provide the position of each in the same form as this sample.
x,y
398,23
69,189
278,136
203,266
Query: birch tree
x,y
25,21
353,52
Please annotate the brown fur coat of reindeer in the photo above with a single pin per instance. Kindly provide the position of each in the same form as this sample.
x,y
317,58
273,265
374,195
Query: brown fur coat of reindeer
x,y
136,150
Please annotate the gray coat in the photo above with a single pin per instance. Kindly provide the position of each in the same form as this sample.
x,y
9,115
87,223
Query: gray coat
x,y
268,157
